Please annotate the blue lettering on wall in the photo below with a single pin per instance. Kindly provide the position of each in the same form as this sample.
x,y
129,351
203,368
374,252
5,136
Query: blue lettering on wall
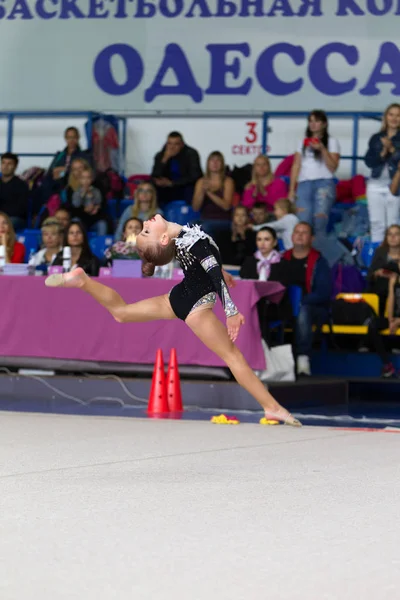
x,y
43,12
230,62
389,55
70,9
103,73
20,10
318,69
265,72
174,59
283,7
220,68
348,7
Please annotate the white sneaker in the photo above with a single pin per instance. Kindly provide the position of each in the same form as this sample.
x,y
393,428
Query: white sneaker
x,y
303,365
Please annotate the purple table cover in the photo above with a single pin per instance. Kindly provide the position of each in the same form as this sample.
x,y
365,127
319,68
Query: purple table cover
x,y
36,321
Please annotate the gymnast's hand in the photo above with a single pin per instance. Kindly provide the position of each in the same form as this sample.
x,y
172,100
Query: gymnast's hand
x,y
233,325
229,280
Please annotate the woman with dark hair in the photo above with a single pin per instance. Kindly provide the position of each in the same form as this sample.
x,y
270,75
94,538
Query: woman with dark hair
x,y
81,255
191,300
382,158
315,163
258,266
384,263
213,194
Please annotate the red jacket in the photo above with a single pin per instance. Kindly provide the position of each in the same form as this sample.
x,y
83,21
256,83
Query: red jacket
x,y
18,254
311,262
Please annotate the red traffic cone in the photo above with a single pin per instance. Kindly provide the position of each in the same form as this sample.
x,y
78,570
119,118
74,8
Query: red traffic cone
x,y
174,394
158,402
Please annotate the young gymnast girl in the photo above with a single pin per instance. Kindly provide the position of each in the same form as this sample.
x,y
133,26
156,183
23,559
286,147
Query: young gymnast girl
x,y
191,300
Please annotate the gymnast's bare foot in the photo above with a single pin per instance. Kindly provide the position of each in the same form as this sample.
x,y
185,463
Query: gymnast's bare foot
x,y
74,279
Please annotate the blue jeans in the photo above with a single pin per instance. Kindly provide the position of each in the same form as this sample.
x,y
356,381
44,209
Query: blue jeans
x,y
309,315
314,202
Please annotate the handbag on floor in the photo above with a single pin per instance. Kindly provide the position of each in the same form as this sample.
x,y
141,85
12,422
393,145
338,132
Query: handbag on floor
x,y
279,362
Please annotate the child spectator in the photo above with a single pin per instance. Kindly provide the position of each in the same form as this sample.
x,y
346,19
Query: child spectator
x,y
239,242
258,266
213,195
382,158
52,243
286,221
15,251
87,203
263,186
126,248
76,238
315,163
144,207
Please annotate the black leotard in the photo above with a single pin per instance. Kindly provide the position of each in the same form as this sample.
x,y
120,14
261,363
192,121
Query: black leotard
x,y
199,257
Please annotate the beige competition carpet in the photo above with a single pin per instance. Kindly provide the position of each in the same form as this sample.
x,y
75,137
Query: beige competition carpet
x,y
98,508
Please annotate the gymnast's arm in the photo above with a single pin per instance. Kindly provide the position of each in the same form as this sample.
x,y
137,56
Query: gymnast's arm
x,y
202,250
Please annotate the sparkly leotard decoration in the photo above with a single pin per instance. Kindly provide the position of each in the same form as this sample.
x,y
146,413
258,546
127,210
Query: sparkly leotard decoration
x,y
200,260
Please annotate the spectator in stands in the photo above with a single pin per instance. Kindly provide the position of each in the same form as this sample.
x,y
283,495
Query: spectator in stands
x,y
132,228
382,158
385,262
258,266
315,163
395,185
63,216
57,176
175,171
126,248
259,214
303,266
238,242
286,221
61,164
87,204
15,251
76,238
51,241
213,195
144,206
378,324
73,181
14,192
263,186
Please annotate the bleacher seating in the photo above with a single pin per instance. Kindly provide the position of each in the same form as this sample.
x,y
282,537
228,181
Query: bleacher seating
x,y
99,243
180,212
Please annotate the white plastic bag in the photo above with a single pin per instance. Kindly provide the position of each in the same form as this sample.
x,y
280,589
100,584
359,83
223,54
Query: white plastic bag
x,y
280,364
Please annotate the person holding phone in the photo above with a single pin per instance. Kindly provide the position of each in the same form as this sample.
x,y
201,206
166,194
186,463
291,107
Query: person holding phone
x,y
312,184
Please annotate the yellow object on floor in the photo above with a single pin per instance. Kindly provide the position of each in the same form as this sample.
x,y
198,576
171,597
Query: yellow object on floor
x,y
224,420
265,421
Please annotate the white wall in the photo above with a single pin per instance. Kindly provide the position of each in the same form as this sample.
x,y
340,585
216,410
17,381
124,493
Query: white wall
x,y
147,135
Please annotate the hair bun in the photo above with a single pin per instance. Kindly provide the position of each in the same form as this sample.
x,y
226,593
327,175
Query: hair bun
x,y
148,269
